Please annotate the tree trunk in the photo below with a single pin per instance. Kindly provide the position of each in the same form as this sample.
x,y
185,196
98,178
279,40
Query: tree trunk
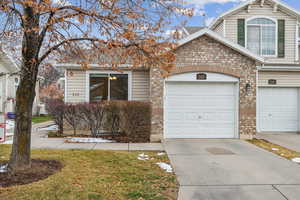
x,y
20,156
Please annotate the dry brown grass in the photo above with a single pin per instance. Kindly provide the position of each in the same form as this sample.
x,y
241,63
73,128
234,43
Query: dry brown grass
x,y
282,151
96,175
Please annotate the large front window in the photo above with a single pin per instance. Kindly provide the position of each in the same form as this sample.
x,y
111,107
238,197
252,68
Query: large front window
x,y
261,36
108,86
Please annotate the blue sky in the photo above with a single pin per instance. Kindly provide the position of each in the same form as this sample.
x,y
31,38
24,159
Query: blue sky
x,y
214,8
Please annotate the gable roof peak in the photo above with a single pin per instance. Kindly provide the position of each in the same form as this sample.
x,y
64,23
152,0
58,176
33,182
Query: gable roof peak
x,y
244,4
219,38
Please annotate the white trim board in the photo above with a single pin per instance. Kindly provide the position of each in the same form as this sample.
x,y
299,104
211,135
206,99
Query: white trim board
x,y
278,68
87,84
66,86
223,40
211,77
79,66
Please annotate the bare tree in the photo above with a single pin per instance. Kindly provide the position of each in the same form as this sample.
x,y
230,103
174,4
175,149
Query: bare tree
x,y
119,28
49,74
55,108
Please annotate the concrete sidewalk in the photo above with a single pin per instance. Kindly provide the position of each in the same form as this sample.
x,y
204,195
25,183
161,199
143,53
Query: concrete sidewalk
x,y
58,143
40,141
287,140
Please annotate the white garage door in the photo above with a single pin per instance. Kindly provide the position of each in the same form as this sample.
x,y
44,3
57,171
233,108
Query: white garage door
x,y
200,110
278,109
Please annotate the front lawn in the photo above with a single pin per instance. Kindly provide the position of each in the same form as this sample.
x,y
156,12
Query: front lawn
x,y
40,119
96,175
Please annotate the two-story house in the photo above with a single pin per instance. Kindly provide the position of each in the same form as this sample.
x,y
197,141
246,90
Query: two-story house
x,y
270,29
240,76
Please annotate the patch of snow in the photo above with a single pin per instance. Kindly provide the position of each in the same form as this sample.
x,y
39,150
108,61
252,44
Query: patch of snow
x,y
275,149
10,124
161,153
87,140
9,134
8,142
3,168
143,156
49,128
296,160
165,167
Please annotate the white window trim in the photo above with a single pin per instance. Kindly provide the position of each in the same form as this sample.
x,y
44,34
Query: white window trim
x,y
89,72
297,42
276,33
66,86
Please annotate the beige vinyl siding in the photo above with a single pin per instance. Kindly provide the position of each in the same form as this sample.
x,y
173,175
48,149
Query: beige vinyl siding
x,y
266,10
298,53
284,79
75,86
220,29
140,85
11,92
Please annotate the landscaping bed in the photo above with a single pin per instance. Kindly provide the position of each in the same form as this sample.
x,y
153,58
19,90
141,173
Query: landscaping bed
x,y
96,174
40,169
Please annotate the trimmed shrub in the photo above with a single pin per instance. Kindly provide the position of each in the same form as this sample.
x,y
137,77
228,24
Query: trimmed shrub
x,y
136,121
55,108
126,121
93,116
112,117
72,116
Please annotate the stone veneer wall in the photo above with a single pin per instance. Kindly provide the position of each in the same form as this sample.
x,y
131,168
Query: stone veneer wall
x,y
204,54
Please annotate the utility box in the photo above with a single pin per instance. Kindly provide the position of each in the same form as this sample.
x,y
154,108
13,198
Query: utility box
x,y
2,128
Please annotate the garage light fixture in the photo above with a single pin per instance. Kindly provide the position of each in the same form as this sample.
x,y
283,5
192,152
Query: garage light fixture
x,y
247,88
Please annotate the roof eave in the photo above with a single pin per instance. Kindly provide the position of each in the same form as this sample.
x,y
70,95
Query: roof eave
x,y
9,62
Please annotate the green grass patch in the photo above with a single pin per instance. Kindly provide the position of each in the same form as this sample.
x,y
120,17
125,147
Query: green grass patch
x,y
96,175
40,119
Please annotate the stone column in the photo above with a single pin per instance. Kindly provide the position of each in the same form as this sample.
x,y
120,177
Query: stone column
x,y
156,98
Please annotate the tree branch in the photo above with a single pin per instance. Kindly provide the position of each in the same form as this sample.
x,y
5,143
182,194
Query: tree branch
x,y
14,10
45,29
55,47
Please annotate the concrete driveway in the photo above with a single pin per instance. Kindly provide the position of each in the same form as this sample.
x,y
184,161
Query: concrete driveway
x,y
231,170
288,140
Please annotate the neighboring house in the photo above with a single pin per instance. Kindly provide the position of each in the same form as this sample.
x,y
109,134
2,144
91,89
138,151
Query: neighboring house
x,y
238,77
9,80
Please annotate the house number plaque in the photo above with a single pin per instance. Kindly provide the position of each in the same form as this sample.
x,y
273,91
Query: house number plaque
x,y
201,76
272,81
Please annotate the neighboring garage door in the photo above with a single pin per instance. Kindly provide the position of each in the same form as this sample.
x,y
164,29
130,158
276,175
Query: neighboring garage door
x,y
200,110
278,109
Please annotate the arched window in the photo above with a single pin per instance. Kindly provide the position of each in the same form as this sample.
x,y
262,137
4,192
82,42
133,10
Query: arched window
x,y
261,36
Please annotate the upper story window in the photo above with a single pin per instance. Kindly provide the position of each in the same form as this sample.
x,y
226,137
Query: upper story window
x,y
261,36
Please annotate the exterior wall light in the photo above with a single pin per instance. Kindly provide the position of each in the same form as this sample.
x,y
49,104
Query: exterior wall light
x,y
247,88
